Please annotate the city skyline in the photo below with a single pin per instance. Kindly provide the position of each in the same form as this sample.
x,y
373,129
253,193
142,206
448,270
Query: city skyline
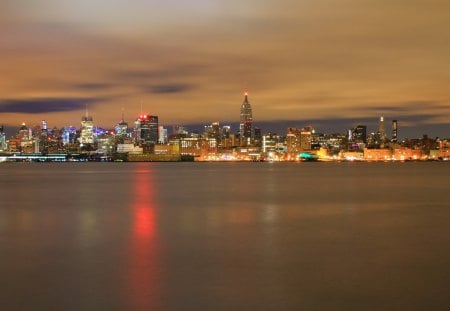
x,y
326,63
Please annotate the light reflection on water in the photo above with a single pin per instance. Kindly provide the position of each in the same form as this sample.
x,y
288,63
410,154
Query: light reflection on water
x,y
224,236
143,254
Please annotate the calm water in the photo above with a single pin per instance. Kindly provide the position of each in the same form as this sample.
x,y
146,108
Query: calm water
x,y
225,236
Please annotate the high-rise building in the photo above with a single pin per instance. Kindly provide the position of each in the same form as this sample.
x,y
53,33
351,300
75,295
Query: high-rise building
x,y
121,128
3,145
146,130
298,140
163,137
359,134
394,131
87,130
381,130
246,122
69,135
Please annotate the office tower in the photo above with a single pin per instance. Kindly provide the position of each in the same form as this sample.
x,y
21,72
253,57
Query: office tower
x,y
121,128
269,142
214,131
69,135
87,130
3,145
257,137
163,137
298,140
246,121
381,130
394,131
146,130
360,134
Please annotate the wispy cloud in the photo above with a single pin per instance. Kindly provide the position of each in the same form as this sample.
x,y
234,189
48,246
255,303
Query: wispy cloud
x,y
168,88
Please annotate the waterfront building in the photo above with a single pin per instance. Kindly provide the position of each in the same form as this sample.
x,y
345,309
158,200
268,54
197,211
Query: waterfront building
x,y
444,149
298,140
377,154
190,146
246,123
406,154
269,143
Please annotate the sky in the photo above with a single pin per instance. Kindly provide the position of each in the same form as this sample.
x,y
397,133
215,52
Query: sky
x,y
327,63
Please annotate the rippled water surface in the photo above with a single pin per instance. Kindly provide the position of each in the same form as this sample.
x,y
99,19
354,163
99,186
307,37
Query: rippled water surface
x,y
225,236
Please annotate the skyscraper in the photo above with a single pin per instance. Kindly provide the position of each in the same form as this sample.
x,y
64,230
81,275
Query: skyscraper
x,y
87,130
246,122
394,131
359,134
382,130
146,129
3,145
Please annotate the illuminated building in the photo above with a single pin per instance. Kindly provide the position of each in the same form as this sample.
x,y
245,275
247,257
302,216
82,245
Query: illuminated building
x,y
257,137
394,131
69,135
226,137
246,123
121,128
298,140
87,130
377,154
146,131
381,132
359,134
163,137
269,142
3,145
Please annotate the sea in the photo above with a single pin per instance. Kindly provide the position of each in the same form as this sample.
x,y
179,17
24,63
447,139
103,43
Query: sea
x,y
225,236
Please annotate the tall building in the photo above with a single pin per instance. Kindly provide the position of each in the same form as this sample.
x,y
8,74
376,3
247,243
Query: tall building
x,y
246,122
298,140
163,137
87,130
146,130
381,129
121,128
394,131
359,134
3,145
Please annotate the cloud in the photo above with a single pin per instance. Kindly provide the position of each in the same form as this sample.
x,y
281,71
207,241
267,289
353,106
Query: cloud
x,y
94,86
44,105
168,88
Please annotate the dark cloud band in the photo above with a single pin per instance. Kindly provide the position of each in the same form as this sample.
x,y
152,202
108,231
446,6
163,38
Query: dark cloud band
x,y
44,105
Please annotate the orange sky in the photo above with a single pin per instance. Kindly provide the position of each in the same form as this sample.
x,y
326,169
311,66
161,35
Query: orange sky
x,y
189,61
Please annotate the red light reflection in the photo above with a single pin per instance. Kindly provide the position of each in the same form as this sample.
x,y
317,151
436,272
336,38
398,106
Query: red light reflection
x,y
143,291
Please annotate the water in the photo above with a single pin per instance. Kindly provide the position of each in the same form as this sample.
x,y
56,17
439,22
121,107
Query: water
x,y
224,236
